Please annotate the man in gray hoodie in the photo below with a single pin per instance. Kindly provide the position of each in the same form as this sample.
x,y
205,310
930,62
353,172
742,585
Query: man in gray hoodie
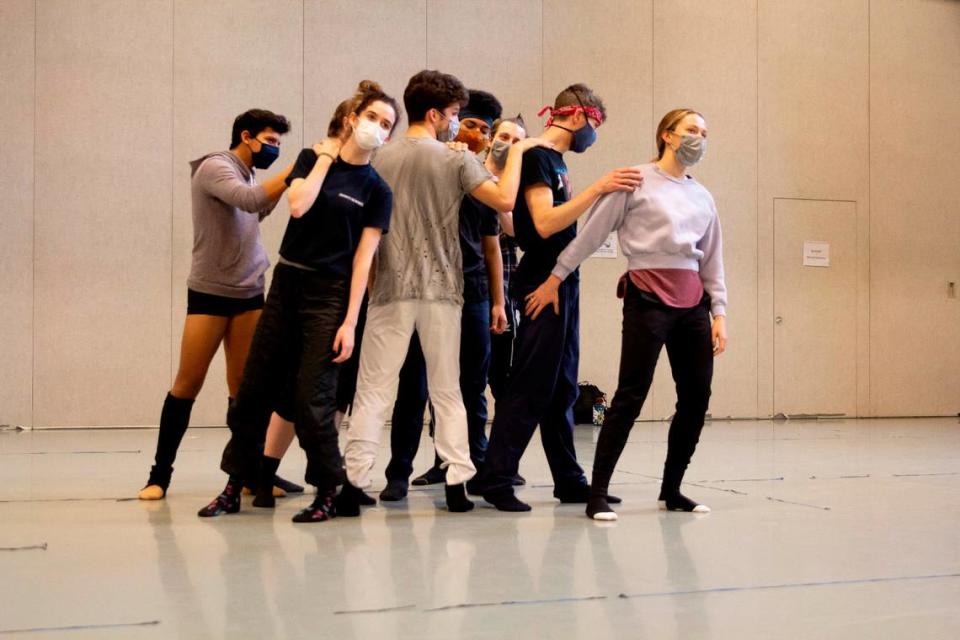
x,y
226,282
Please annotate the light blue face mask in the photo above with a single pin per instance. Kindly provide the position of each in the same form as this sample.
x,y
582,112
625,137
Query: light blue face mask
x,y
452,130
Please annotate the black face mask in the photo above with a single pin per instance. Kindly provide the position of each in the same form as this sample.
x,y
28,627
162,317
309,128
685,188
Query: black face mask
x,y
264,158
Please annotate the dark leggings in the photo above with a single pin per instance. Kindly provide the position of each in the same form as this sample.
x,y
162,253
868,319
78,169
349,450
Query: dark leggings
x,y
648,325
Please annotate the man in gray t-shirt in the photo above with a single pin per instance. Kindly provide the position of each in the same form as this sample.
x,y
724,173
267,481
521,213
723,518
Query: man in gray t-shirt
x,y
418,282
420,259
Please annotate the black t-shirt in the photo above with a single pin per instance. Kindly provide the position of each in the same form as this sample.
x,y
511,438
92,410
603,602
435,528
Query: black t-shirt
x,y
476,220
325,237
540,166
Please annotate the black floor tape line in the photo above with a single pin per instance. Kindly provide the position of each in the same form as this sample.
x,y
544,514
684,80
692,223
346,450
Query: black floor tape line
x,y
512,603
31,547
789,585
706,486
859,477
60,453
799,504
403,607
82,627
923,475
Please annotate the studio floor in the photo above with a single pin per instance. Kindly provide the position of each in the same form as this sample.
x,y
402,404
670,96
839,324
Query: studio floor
x,y
842,529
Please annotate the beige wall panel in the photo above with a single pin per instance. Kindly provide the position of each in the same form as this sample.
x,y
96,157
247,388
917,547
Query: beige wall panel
x,y
348,41
717,76
608,46
102,211
812,136
502,57
915,223
16,212
229,56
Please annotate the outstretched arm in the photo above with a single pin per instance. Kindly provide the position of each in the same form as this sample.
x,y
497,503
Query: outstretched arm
x,y
605,216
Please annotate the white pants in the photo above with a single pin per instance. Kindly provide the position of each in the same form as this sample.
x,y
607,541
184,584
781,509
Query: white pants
x,y
386,340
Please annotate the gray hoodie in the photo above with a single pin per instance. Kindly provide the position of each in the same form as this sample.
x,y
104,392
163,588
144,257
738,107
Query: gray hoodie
x,y
228,204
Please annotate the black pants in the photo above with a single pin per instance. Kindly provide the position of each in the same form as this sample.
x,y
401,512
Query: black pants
x,y
648,325
291,353
541,389
407,422
501,355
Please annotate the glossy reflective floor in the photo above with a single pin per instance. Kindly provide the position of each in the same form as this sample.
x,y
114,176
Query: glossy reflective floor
x,y
847,529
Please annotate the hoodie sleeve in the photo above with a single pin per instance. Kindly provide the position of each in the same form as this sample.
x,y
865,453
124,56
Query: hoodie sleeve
x,y
220,179
711,266
605,215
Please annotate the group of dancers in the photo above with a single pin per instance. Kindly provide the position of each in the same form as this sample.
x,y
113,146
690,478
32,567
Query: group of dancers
x,y
398,289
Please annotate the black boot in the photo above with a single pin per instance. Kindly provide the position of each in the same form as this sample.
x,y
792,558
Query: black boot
x,y
349,500
227,502
268,470
323,508
395,491
457,500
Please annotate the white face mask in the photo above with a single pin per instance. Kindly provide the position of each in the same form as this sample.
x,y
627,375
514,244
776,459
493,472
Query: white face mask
x,y
369,135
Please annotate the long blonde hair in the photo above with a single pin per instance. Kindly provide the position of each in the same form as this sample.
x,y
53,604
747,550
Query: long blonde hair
x,y
667,123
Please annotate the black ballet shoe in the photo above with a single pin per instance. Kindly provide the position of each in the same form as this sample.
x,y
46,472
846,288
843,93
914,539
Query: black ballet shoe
x,y
286,485
395,491
599,509
680,502
434,475
507,501
457,500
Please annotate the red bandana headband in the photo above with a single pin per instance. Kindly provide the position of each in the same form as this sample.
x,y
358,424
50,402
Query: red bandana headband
x,y
590,112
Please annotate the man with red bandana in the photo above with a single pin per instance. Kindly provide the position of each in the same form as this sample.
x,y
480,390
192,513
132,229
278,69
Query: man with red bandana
x,y
542,386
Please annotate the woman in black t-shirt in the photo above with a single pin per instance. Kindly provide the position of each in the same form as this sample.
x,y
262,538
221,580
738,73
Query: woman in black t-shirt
x,y
339,208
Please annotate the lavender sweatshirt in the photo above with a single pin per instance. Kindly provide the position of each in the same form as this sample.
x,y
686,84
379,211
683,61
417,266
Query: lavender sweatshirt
x,y
668,223
228,204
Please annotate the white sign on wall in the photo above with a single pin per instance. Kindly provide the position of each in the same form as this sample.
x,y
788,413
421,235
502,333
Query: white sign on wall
x,y
816,253
609,247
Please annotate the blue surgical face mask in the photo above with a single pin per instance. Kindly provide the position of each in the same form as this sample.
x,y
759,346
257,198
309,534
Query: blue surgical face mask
x,y
263,158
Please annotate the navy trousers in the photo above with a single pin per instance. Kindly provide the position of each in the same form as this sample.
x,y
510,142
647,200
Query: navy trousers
x,y
541,390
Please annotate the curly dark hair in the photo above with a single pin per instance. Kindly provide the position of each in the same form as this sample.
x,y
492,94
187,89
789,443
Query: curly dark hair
x,y
432,89
256,120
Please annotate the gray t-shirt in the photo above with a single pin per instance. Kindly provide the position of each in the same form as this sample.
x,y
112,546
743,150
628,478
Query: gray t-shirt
x,y
420,258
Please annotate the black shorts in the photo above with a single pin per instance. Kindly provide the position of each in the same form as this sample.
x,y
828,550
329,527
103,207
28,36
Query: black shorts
x,y
208,304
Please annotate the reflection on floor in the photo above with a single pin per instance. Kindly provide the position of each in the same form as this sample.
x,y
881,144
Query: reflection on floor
x,y
845,529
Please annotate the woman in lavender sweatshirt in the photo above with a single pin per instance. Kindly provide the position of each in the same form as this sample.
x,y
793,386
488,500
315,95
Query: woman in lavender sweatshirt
x,y
674,296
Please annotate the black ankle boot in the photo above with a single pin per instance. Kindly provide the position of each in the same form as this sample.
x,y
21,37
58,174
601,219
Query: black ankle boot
x,y
348,502
323,508
227,502
395,490
268,470
457,500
